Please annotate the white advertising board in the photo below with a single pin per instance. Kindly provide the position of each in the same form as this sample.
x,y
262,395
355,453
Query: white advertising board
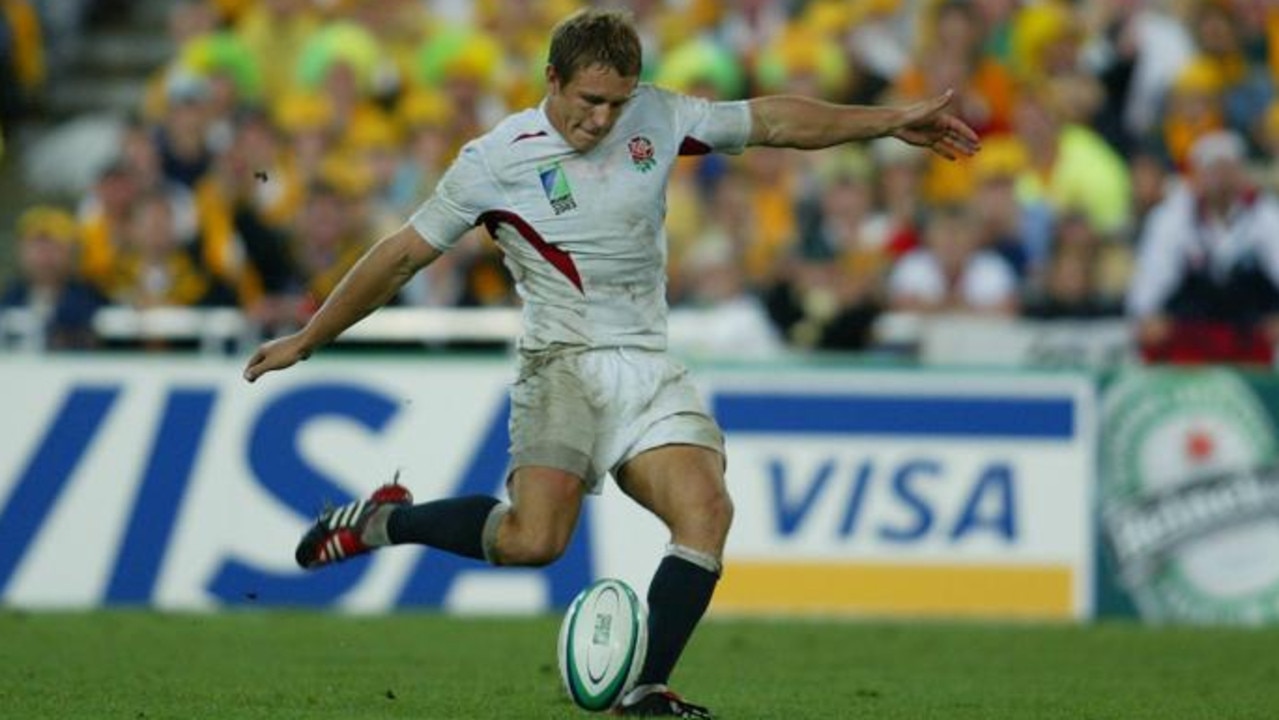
x,y
169,482
965,340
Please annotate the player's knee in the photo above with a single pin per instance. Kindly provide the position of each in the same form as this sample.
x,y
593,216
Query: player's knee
x,y
718,513
540,553
534,547
706,520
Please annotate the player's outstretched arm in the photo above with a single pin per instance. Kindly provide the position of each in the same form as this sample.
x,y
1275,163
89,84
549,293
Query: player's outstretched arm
x,y
805,123
370,284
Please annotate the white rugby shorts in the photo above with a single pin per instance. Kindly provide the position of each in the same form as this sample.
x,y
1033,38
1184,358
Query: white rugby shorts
x,y
588,411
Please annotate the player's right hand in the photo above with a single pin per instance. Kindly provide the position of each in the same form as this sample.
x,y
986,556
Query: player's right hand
x,y
277,354
930,124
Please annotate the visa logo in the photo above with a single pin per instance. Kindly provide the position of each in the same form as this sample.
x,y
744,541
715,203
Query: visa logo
x,y
278,462
912,488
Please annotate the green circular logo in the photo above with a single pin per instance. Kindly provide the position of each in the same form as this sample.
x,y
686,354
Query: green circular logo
x,y
1190,496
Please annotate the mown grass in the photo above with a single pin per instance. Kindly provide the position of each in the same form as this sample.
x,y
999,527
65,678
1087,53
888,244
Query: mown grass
x,y
144,665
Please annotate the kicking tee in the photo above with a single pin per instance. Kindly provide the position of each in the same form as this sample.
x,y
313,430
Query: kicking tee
x,y
583,234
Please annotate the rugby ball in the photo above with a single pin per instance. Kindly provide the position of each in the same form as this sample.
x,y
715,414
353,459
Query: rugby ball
x,y
603,640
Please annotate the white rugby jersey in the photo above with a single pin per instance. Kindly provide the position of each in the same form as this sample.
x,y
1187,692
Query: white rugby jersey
x,y
583,233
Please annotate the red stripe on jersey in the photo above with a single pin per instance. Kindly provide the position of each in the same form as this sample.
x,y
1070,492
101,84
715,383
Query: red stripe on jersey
x,y
558,258
693,146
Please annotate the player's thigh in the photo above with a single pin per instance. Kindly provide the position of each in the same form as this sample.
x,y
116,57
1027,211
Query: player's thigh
x,y
545,505
684,486
553,424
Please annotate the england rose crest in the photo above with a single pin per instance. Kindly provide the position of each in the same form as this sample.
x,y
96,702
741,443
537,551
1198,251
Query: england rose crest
x,y
641,149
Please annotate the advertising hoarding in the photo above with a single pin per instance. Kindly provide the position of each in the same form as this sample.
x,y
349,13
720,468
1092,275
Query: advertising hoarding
x,y
171,483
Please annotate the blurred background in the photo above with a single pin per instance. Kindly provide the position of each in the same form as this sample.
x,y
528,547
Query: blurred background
x,y
241,153
180,179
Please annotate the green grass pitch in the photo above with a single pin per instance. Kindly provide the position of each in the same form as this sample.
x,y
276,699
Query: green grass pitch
x,y
277,665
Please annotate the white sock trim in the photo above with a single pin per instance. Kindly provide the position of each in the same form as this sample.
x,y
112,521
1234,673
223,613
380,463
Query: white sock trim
x,y
706,561
488,540
375,533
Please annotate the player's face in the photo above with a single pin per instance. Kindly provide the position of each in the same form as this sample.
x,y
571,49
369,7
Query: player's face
x,y
585,108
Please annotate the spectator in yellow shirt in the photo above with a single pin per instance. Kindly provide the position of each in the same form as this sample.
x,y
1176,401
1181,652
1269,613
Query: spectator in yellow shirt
x,y
1246,86
47,284
1071,166
326,243
275,31
154,269
1194,109
104,220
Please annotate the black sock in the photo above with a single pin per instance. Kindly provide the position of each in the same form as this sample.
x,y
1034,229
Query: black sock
x,y
453,524
677,598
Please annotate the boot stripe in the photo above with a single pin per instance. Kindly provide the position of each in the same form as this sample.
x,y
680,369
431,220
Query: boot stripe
x,y
346,515
354,515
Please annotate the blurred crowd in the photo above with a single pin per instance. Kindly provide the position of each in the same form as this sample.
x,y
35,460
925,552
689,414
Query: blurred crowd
x,y
1127,164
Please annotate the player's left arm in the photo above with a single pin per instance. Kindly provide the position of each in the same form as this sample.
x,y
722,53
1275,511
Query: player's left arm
x,y
799,122
368,285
